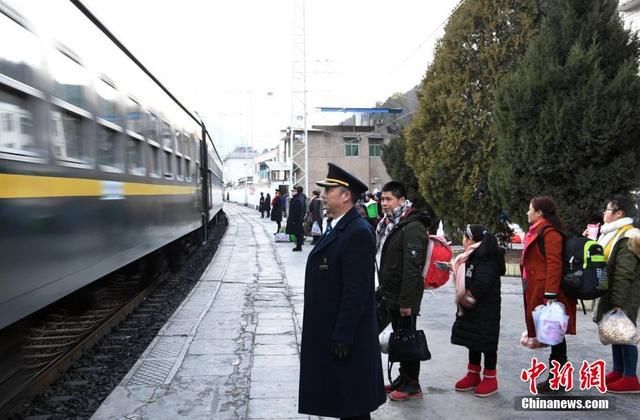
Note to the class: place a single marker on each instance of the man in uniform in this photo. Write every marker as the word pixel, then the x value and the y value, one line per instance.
pixel 340 363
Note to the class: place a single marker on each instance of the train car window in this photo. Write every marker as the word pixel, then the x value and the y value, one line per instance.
pixel 197 174
pixel 166 136
pixel 67 132
pixel 168 164
pixel 135 117
pixel 154 162
pixel 20 53
pixel 109 149
pixel 179 173
pixel 135 156
pixel 17 134
pixel 151 128
pixel 70 80
pixel 108 103
pixel 187 169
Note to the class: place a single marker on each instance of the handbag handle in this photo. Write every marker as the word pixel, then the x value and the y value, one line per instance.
pixel 409 322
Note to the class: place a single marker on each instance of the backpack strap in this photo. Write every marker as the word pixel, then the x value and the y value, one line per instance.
pixel 541 239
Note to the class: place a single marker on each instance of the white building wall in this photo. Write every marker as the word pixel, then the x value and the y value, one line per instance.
pixel 235 168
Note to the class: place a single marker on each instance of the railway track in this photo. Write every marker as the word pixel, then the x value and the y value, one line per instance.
pixel 38 351
pixel 50 344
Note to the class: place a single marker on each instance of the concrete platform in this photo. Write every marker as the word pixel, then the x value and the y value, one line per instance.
pixel 231 351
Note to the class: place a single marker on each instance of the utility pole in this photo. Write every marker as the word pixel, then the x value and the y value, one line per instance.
pixel 299 98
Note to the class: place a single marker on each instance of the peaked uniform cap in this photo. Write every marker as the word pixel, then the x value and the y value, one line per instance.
pixel 338 177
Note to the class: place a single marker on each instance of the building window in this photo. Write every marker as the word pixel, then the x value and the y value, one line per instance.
pixel 375 146
pixel 351 146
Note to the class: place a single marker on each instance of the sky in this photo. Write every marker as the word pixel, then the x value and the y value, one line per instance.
pixel 232 60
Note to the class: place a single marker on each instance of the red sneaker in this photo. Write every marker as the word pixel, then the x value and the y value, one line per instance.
pixel 393 385
pixel 625 385
pixel 489 384
pixel 407 391
pixel 471 379
pixel 612 376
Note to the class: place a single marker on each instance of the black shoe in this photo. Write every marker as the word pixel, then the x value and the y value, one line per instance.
pixel 298 248
pixel 545 388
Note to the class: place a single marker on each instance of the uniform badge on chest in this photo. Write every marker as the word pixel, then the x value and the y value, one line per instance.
pixel 324 265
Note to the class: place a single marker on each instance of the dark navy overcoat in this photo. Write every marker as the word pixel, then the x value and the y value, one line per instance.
pixel 339 305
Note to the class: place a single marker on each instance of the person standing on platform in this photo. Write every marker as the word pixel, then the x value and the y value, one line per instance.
pixel 315 210
pixel 276 212
pixel 621 244
pixel 296 217
pixel 340 362
pixel 541 268
pixel 401 243
pixel 476 274
pixel 267 205
pixel 283 204
pixel 261 205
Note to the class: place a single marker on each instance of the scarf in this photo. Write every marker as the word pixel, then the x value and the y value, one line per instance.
pixel 389 221
pixel 611 232
pixel 458 274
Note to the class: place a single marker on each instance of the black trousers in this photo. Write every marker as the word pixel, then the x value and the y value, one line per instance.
pixel 559 353
pixel 490 358
pixel 410 369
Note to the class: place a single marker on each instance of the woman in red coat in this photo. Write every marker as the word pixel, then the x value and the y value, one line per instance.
pixel 542 271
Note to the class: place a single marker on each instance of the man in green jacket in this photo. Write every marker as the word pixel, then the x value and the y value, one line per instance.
pixel 401 243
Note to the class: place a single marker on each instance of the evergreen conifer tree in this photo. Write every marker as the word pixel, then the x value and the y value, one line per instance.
pixel 568 118
pixel 451 140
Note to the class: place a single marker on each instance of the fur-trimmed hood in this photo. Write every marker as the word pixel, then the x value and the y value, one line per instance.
pixel 634 240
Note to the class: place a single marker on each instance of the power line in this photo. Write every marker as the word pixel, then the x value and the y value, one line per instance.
pixel 431 34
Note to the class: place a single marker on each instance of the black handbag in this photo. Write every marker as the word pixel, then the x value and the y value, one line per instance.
pixel 407 344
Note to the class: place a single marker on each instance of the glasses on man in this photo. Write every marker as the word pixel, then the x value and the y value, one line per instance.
pixel 611 210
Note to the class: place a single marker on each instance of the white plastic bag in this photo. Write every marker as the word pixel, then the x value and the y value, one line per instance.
pixel 384 340
pixel 281 237
pixel 551 321
pixel 315 229
pixel 615 327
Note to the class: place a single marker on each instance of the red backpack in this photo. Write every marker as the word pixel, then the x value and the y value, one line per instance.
pixel 439 250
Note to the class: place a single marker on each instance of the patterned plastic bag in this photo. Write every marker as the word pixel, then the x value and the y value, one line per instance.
pixel 551 322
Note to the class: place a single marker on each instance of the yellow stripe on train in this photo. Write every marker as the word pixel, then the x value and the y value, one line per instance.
pixel 33 186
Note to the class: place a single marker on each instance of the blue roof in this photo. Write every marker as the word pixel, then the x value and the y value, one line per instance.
pixel 362 110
